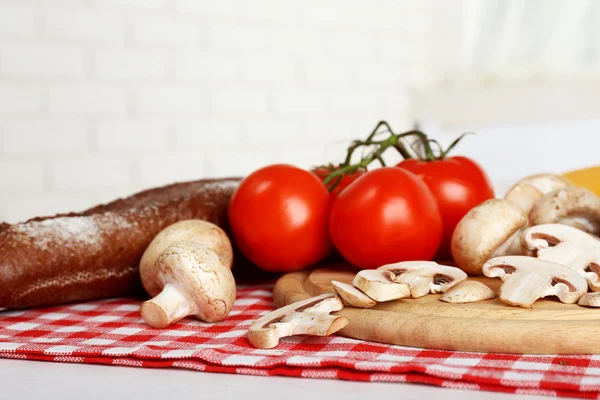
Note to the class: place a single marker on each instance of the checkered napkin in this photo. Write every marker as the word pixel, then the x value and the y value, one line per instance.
pixel 112 332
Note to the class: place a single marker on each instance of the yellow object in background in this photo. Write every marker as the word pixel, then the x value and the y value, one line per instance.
pixel 588 178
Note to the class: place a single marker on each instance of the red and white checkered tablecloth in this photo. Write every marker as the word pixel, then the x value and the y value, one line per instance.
pixel 112 332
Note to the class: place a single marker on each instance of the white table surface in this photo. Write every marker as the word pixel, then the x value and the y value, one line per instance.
pixel 45 380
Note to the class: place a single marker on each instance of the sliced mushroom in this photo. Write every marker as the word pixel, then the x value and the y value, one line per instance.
pixel 573 206
pixel 468 292
pixel 529 190
pixel 306 317
pixel 491 229
pixel 568 246
pixel 527 279
pixel 424 277
pixel 194 281
pixel 352 296
pixel 590 300
pixel 379 285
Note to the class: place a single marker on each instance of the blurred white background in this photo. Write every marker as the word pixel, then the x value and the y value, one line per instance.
pixel 101 98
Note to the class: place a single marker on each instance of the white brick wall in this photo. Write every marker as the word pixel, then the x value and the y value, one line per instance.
pixel 100 98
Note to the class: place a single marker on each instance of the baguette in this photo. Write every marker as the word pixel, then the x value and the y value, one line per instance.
pixel 95 254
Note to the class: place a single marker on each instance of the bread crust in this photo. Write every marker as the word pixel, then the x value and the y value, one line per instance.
pixel 95 254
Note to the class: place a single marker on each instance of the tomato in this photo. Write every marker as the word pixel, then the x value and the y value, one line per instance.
pixel 278 216
pixel 458 184
pixel 323 172
pixel 385 216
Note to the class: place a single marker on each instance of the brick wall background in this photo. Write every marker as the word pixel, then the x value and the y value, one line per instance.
pixel 101 98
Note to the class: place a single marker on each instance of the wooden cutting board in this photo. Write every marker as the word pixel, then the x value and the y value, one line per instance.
pixel 488 326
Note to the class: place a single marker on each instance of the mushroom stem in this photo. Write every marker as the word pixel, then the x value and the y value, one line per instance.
pixel 419 285
pixel 567 254
pixel 168 307
pixel 510 247
pixel 524 288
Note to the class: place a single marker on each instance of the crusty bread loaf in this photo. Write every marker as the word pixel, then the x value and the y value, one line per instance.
pixel 95 253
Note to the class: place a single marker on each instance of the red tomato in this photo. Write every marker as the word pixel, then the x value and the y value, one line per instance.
pixel 323 172
pixel 458 184
pixel 385 216
pixel 279 217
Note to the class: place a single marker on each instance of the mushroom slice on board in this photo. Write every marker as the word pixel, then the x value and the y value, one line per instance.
pixel 526 192
pixel 468 292
pixel 424 277
pixel 489 230
pixel 379 285
pixel 194 281
pixel 527 279
pixel 306 317
pixel 352 296
pixel 574 206
pixel 567 246
pixel 590 300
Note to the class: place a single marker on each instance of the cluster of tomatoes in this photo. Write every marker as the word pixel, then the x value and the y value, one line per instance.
pixel 284 218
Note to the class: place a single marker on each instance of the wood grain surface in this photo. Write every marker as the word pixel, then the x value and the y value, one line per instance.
pixel 488 326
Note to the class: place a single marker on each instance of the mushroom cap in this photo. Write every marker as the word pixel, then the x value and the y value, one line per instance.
pixel 545 182
pixel 526 192
pixel 440 277
pixel 201 276
pixel 468 292
pixel 524 195
pixel 482 230
pixel 590 300
pixel 574 206
pixel 193 230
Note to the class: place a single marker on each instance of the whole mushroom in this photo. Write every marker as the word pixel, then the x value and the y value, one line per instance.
pixel 573 206
pixel 491 229
pixel 195 282
pixel 186 276
pixel 192 230
pixel 526 192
